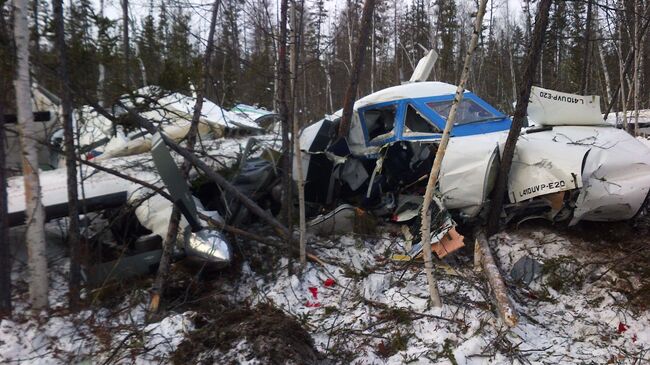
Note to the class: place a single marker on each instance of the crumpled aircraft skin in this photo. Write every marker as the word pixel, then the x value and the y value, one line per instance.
pixel 587 171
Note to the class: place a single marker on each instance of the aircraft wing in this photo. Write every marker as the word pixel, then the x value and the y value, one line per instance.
pixel 100 191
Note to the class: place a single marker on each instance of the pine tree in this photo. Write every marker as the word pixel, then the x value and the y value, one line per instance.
pixel 149 47
pixel 180 64
pixel 447 28
pixel 414 35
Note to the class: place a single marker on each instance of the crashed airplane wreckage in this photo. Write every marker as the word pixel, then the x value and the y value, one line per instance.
pixel 570 166
pixel 137 231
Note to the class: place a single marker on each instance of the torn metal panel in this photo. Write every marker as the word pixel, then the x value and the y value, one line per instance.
pixel 550 107
pixel 616 176
pixel 344 219
pixel 409 207
pixel 542 165
pixel 354 174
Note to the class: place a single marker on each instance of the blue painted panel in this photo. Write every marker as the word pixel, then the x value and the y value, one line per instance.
pixel 489 126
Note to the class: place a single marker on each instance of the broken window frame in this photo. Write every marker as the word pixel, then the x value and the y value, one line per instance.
pixel 500 123
pixel 397 126
pixel 407 134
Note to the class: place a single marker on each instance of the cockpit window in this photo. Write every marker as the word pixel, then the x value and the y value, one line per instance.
pixel 380 122
pixel 468 111
pixel 417 123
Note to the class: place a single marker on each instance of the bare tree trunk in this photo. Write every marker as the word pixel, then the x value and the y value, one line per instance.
pixel 101 77
pixel 532 60
pixel 158 286
pixel 637 61
pixel 372 59
pixel 630 55
pixel 584 79
pixel 529 26
pixel 440 154
pixel 603 62
pixel 351 92
pixel 513 76
pixel 70 160
pixel 350 38
pixel 541 69
pixel 5 253
pixel 396 43
pixel 285 117
pixel 621 72
pixel 510 50
pixel 296 134
pixel 37 32
pixel 35 214
pixel 125 42
pixel 328 85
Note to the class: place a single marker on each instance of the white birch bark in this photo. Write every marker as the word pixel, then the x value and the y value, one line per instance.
pixel 603 62
pixel 637 61
pixel 35 214
pixel 621 70
pixel 296 134
pixel 101 78
pixel 437 162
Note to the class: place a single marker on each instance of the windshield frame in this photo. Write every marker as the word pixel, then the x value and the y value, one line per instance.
pixel 500 122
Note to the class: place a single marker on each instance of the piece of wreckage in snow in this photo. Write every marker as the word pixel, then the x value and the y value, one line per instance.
pixel 571 166
pixel 137 218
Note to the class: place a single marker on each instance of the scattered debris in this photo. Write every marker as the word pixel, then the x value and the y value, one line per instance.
pixel 525 270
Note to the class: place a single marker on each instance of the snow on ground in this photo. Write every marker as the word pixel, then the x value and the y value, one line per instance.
pixel 90 336
pixel 94 335
pixel 377 310
pixel 361 308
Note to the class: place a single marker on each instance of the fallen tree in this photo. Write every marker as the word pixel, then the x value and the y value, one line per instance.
pixel 484 261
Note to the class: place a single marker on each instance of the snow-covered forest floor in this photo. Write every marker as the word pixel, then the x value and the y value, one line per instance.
pixel 589 305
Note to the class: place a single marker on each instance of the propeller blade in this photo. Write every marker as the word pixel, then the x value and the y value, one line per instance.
pixel 174 181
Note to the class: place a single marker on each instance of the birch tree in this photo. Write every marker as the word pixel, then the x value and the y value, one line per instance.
pixel 296 131
pixel 5 253
pixel 125 42
pixel 532 61
pixel 440 154
pixel 283 108
pixel 34 212
pixel 637 62
pixel 584 76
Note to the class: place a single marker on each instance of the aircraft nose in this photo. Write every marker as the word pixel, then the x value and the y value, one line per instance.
pixel 208 245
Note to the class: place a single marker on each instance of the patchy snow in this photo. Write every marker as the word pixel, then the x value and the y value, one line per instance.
pixel 361 308
pixel 116 335
pixel 377 311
